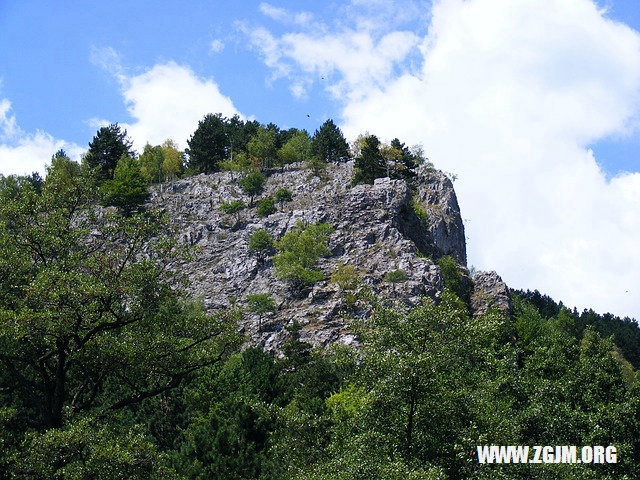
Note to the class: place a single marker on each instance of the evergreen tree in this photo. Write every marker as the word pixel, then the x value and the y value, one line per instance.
pixel 105 150
pixel 209 144
pixel 370 164
pixel 329 144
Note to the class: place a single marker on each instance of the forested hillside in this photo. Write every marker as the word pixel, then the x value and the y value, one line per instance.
pixel 270 304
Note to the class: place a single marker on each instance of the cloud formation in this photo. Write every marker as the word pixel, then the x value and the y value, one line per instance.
pixel 508 96
pixel 22 153
pixel 167 101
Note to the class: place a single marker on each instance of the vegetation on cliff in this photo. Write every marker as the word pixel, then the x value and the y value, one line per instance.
pixel 108 369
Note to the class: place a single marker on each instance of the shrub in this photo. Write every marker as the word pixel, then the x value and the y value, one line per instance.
pixel 266 207
pixel 260 303
pixel 128 188
pixel 283 195
pixel 252 184
pixel 396 276
pixel 299 253
pixel 345 277
pixel 260 242
pixel 233 208
pixel 453 279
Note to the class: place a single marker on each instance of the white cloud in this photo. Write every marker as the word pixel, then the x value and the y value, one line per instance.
pixel 168 101
pixel 283 15
pixel 21 152
pixel 356 57
pixel 216 46
pixel 509 96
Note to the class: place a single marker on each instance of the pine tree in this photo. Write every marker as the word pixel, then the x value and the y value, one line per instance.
pixel 329 144
pixel 105 150
pixel 370 164
pixel 208 145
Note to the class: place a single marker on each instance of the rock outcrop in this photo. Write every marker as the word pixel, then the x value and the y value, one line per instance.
pixel 378 228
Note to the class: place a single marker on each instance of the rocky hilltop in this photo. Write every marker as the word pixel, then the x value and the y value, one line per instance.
pixel 379 228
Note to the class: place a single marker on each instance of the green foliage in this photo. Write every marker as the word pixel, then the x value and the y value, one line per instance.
pixel 300 250
pixel 173 161
pixel 87 448
pixel 128 188
pixel 296 149
pixel 283 195
pixel 316 165
pixel 396 276
pixel 208 145
pixel 260 303
pixel 234 208
pixel 266 206
pixel 261 242
pixel 328 143
pixel 262 148
pixel 252 184
pixel 419 210
pixel 453 279
pixel 88 315
pixel 345 277
pixel 370 163
pixel 151 162
pixel 106 149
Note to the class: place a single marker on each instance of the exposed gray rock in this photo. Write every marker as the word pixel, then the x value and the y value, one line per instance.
pixel 489 291
pixel 376 231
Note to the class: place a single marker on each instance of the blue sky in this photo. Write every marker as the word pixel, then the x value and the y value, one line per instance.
pixel 533 104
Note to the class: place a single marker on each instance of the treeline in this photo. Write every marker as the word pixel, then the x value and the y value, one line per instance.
pixel 109 370
pixel 120 177
pixel 624 331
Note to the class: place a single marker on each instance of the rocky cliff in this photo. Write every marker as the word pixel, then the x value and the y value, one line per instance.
pixel 379 228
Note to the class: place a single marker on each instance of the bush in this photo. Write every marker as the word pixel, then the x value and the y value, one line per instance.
pixel 128 188
pixel 283 195
pixel 345 277
pixel 453 279
pixel 299 253
pixel 252 184
pixel 266 207
pixel 233 208
pixel 396 276
pixel 260 242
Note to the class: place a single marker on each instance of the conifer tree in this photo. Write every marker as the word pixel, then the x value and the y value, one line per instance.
pixel 329 144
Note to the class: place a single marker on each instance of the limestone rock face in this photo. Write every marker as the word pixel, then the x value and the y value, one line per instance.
pixel 376 227
pixel 489 291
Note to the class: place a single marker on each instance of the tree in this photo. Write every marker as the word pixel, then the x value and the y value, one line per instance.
pixel 370 164
pixel 252 185
pixel 208 145
pixel 300 250
pixel 260 303
pixel 266 206
pixel 329 144
pixel 128 188
pixel 108 146
pixel 296 149
pixel 262 148
pixel 283 195
pixel 151 162
pixel 233 208
pixel 90 320
pixel 261 242
pixel 173 161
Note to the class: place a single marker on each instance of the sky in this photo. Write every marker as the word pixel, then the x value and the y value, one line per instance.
pixel 533 105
